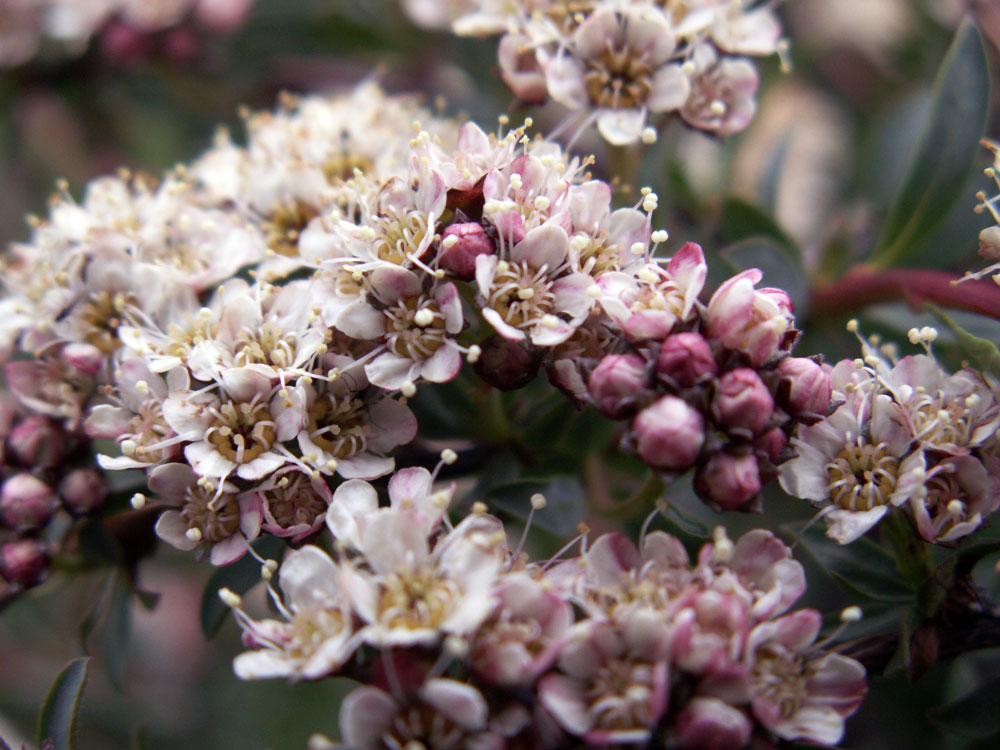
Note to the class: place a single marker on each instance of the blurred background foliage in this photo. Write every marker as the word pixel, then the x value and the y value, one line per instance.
pixel 806 194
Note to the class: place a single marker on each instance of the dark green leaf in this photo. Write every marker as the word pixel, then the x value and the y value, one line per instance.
pixel 741 220
pixel 982 352
pixel 57 719
pixel 974 715
pixel 945 153
pixel 565 502
pixel 862 567
pixel 241 576
pixel 117 628
pixel 781 267
pixel 98 542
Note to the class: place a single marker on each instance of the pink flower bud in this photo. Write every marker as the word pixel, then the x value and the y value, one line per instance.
pixel 685 359
pixel 222 16
pixel 711 724
pixel 38 441
pixel 507 365
pixel 669 434
pixel 748 320
pixel 26 503
pixel 122 45
pixel 83 491
pixel 742 401
pixel 24 562
pixel 728 481
pixel 84 357
pixel 772 444
pixel 617 383
pixel 459 255
pixel 806 387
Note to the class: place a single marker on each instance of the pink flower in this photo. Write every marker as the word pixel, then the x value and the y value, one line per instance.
pixel 751 321
pixel 613 679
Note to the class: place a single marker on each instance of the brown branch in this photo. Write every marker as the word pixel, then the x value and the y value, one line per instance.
pixel 864 285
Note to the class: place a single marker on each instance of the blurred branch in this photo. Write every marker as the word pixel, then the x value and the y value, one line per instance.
pixel 864 285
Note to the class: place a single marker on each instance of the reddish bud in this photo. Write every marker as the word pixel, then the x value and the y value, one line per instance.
pixel 83 491
pixel 669 434
pixel 617 383
pixel 772 444
pixel 742 401
pixel 459 255
pixel 26 503
pixel 685 359
pixel 507 365
pixel 728 481
pixel 84 357
pixel 808 387
pixel 24 562
pixel 711 724
pixel 38 441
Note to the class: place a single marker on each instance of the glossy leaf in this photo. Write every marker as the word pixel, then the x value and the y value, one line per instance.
pixel 241 576
pixel 117 629
pixel 565 502
pixel 862 567
pixel 945 152
pixel 974 715
pixel 57 719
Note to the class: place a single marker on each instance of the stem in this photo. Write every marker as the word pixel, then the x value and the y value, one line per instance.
pixel 865 285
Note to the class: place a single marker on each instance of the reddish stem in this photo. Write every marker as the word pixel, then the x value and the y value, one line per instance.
pixel 864 285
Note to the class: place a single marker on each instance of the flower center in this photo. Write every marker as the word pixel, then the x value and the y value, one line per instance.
pixel 241 431
pixel 283 226
pixel 337 426
pixel 619 78
pixel 618 697
pixel 416 600
pixel 520 294
pixel 400 235
pixel 267 345
pixel 780 677
pixel 217 518
pixel 296 503
pixel 862 476
pixel 101 314
pixel 416 328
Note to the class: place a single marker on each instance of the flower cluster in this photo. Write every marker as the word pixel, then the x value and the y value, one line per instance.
pixel 463 643
pixel 47 473
pixel 711 387
pixel 907 437
pixel 617 62
pixel 249 328
pixel 126 29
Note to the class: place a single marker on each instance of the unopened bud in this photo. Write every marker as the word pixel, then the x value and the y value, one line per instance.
pixel 83 491
pixel 669 433
pixel 684 360
pixel 728 481
pixel 24 562
pixel 707 722
pixel 86 358
pixel 989 243
pixel 617 384
pixel 742 401
pixel 459 256
pixel 26 503
pixel 38 441
pixel 772 444
pixel 806 388
pixel 507 365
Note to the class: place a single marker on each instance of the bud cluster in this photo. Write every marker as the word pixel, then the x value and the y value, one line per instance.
pixel 46 471
pixel 477 647
pixel 707 387
pixel 907 437
pixel 125 30
pixel 615 63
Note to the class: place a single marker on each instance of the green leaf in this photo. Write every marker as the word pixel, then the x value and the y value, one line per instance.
pixel 781 266
pixel 565 502
pixel 117 628
pixel 982 352
pixel 974 715
pixel 57 719
pixel 945 153
pixel 862 567
pixel 241 576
